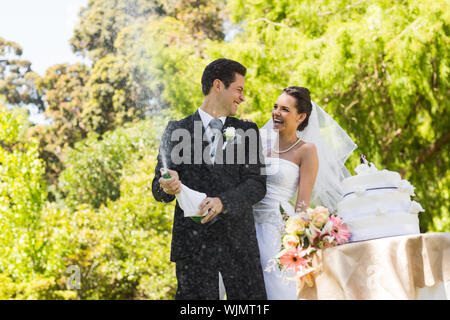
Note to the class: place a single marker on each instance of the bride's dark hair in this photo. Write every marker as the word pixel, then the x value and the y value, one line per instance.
pixel 303 102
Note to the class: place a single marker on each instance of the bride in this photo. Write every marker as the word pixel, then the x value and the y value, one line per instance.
pixel 305 153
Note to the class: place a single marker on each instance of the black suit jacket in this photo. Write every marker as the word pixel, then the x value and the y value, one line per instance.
pixel 238 185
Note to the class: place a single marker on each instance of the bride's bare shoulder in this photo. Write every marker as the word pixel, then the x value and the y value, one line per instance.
pixel 307 147
pixel 307 150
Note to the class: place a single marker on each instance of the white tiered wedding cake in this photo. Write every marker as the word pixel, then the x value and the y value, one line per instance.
pixel 377 204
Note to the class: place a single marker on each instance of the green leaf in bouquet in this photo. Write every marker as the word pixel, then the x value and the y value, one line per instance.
pixel 284 215
pixel 305 242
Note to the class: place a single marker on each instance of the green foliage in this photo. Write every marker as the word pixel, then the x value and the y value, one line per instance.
pixel 113 95
pixel 16 77
pixel 95 166
pixel 175 67
pixel 201 19
pixel 120 248
pixel 22 198
pixel 65 93
pixel 101 21
pixel 128 247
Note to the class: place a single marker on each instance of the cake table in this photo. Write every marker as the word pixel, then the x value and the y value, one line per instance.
pixel 403 267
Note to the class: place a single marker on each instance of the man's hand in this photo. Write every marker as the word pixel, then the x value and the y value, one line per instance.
pixel 170 186
pixel 209 208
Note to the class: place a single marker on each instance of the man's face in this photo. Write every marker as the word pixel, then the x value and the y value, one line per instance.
pixel 232 96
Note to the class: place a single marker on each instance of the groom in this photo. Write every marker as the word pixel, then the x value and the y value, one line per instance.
pixel 225 241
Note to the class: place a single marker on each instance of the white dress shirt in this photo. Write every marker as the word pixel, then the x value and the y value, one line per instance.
pixel 206 118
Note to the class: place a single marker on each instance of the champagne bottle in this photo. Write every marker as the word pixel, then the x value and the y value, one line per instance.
pixel 166 175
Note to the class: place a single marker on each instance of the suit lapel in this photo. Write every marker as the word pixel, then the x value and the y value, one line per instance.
pixel 227 123
pixel 228 144
pixel 199 140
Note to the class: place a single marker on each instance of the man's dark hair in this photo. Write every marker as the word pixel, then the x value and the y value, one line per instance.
pixel 223 69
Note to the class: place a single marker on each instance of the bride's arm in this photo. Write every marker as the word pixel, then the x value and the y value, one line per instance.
pixel 309 165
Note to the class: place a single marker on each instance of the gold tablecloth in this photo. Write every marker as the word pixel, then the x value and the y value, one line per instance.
pixel 387 268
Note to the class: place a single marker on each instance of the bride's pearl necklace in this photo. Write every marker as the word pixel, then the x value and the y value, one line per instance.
pixel 288 149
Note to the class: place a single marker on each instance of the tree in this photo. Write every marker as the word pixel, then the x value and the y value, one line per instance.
pixel 120 235
pixel 64 92
pixel 116 91
pixel 120 250
pixel 113 95
pixel 22 198
pixel 101 22
pixel 16 77
pixel 201 19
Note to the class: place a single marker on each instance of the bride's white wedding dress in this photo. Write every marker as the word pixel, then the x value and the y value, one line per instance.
pixel 282 181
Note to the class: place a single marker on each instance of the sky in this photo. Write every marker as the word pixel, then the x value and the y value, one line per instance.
pixel 43 29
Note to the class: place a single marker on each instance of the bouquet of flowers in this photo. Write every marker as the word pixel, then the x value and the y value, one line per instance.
pixel 305 233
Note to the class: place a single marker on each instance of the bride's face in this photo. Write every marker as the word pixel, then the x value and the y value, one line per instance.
pixel 285 115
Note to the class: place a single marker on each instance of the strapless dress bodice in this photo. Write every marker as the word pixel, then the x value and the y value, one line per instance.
pixel 282 181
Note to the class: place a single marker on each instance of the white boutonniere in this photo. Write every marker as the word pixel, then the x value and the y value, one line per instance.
pixel 229 134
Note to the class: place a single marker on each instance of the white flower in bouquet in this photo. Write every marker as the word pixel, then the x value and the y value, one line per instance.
pixel 327 228
pixel 312 233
